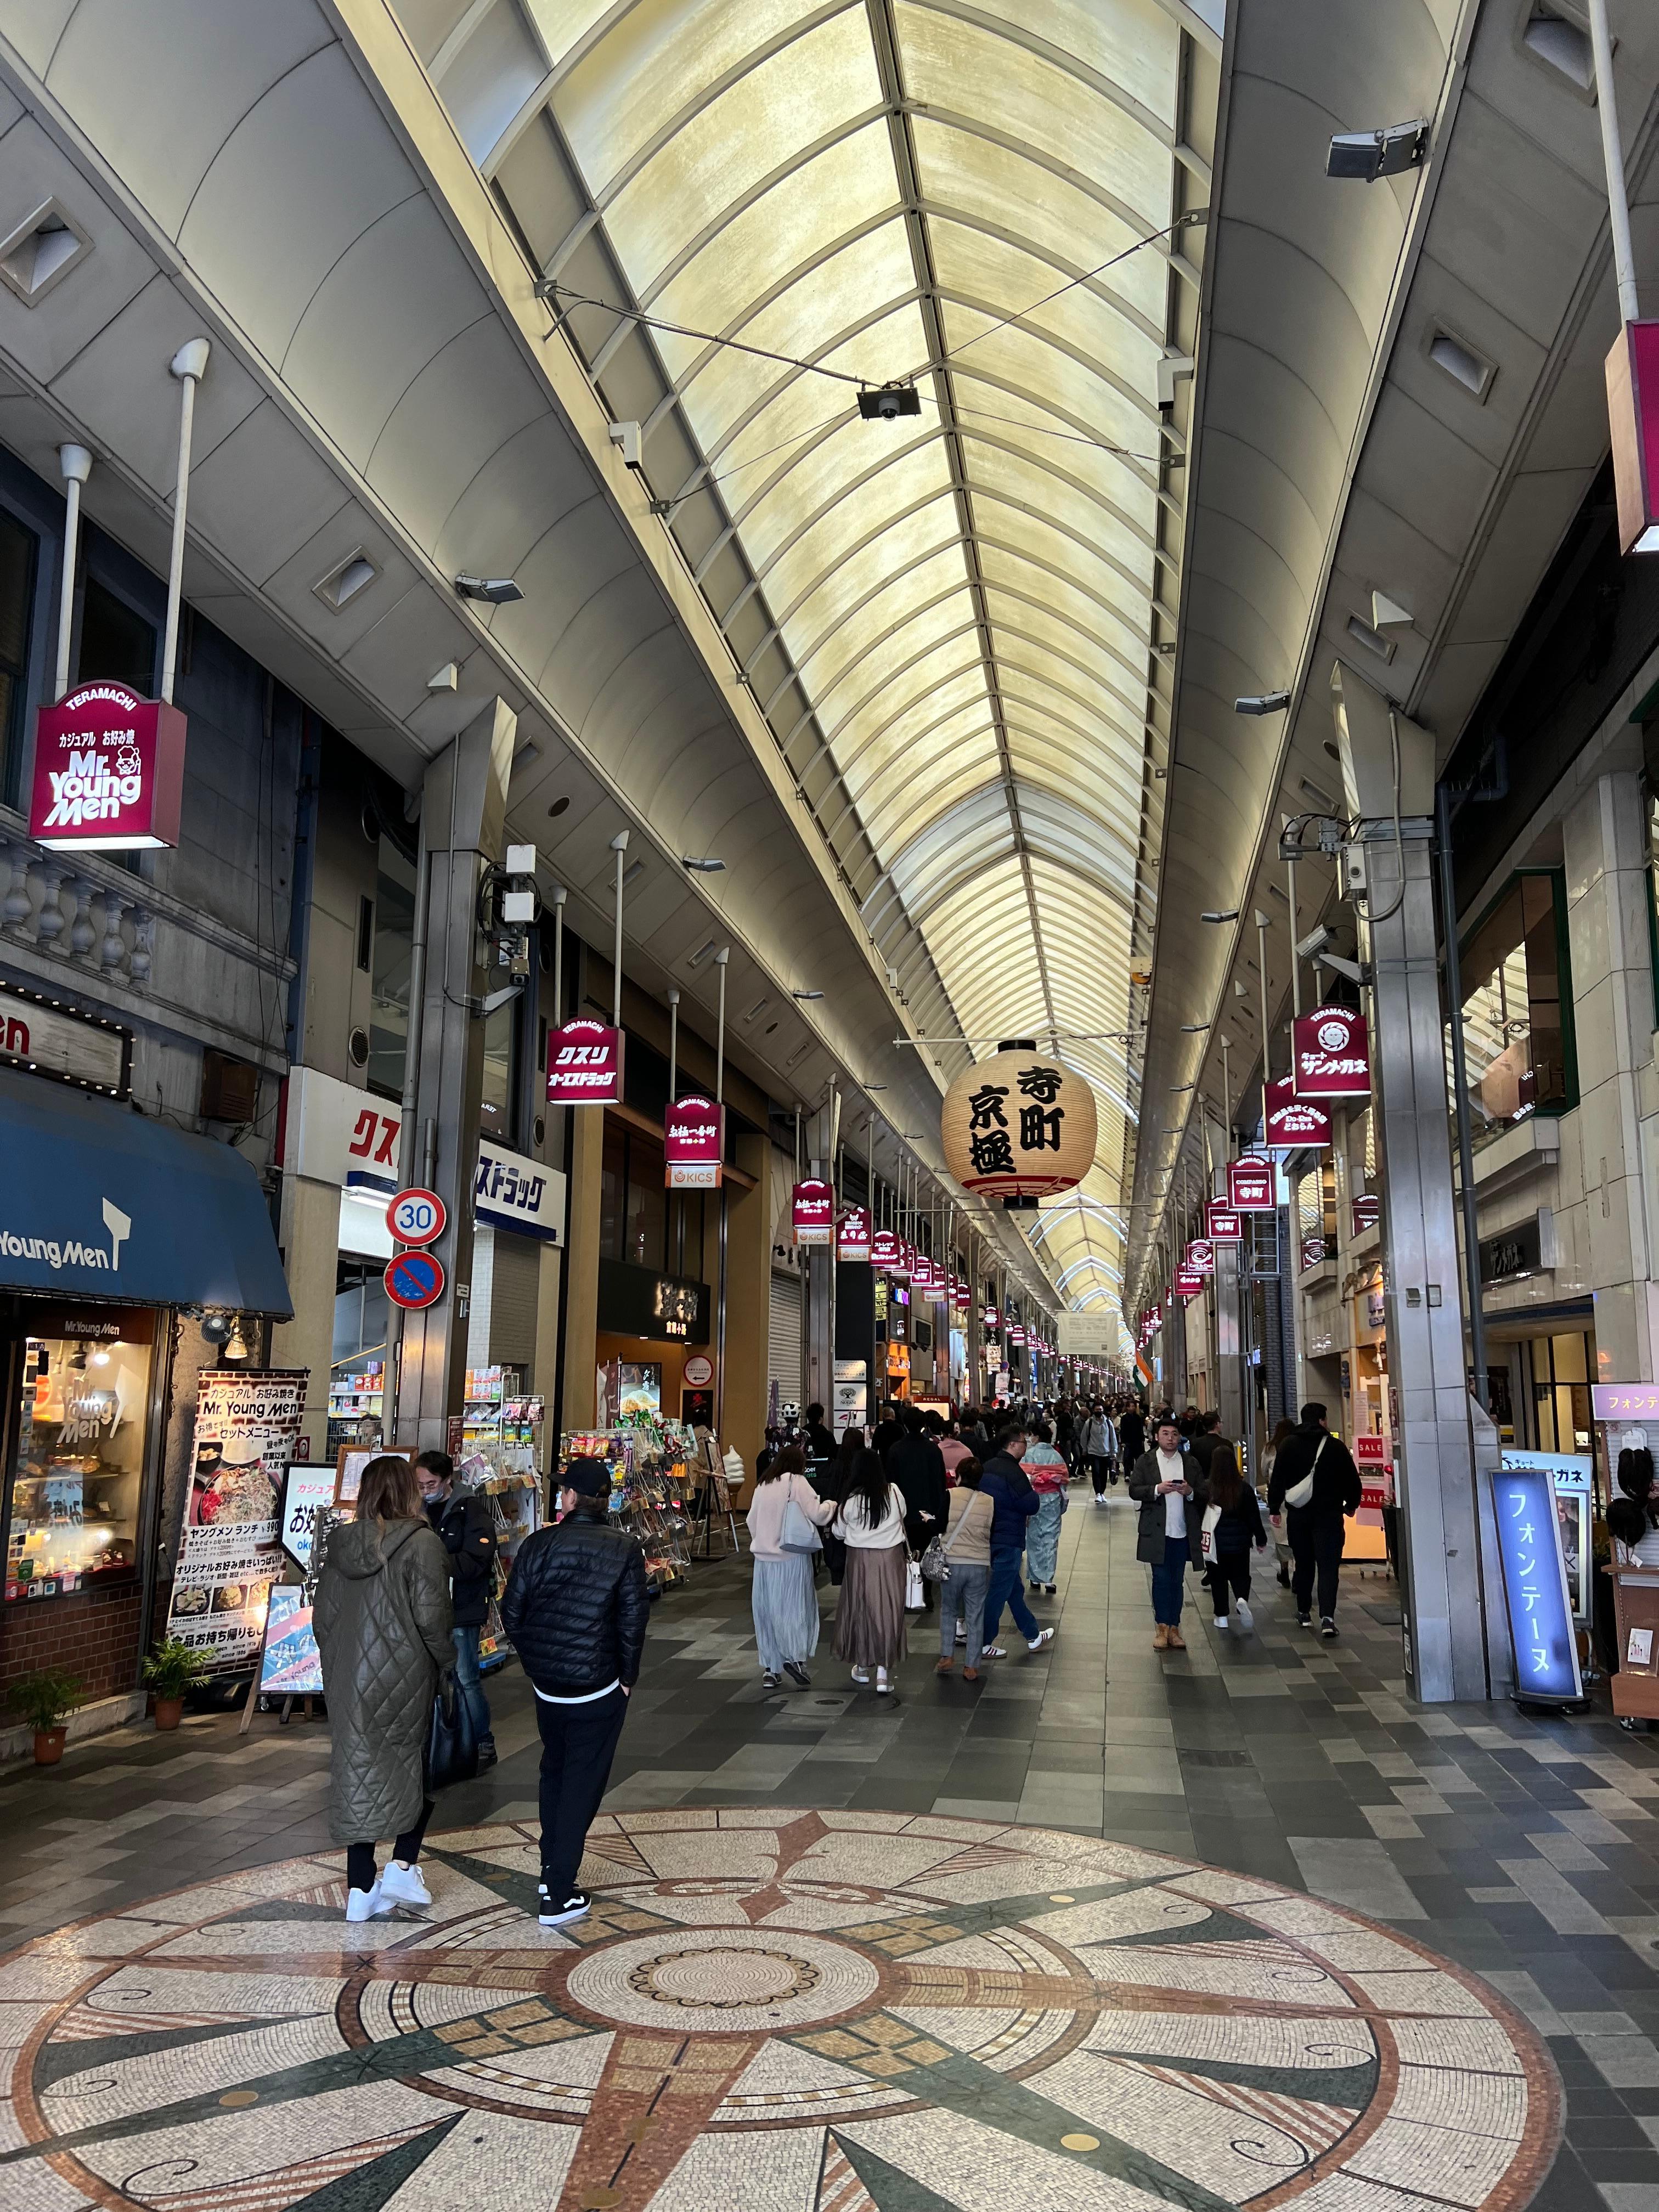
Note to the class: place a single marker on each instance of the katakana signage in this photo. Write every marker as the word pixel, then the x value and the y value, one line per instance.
pixel 585 1065
pixel 1330 1053
pixel 109 772
pixel 1289 1123
pixel 1535 1587
pixel 1019 1126
pixel 886 1250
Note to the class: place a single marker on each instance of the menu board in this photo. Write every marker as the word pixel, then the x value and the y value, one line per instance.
pixel 308 1496
pixel 221 1587
pixel 247 1430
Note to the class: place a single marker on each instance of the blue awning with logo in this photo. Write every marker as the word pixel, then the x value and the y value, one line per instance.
pixel 98 1201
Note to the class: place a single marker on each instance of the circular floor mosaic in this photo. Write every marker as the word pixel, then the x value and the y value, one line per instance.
pixel 798 2011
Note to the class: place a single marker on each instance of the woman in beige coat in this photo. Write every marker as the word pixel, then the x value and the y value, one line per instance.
pixel 382 1619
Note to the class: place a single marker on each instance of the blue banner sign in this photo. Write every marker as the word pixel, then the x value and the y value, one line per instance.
pixel 1535 1587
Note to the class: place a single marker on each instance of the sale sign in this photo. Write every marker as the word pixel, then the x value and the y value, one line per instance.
pixel 854 1234
pixel 1330 1053
pixel 694 1143
pixel 1222 1225
pixel 813 1212
pixel 1251 1184
pixel 109 772
pixel 1289 1123
pixel 585 1065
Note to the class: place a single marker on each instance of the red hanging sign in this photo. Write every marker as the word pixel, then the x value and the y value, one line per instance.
pixel 886 1250
pixel 1187 1282
pixel 854 1234
pixel 1367 1212
pixel 1251 1184
pixel 585 1065
pixel 1330 1053
pixel 1313 1253
pixel 1199 1257
pixel 814 1211
pixel 1290 1123
pixel 1221 1223
pixel 109 772
pixel 694 1143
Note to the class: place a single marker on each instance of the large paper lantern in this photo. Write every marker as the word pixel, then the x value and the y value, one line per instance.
pixel 1020 1126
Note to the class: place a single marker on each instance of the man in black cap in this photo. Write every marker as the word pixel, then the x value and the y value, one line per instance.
pixel 575 1608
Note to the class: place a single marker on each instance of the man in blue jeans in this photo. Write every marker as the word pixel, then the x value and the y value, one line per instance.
pixel 462 1522
pixel 1172 1495
pixel 1013 1502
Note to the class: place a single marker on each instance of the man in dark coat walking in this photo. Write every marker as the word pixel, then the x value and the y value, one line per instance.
pixel 1315 1528
pixel 467 1532
pixel 575 1607
pixel 916 1465
pixel 1013 1502
pixel 1172 1495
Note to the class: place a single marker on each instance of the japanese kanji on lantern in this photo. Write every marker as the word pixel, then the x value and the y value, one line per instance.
pixel 1020 1126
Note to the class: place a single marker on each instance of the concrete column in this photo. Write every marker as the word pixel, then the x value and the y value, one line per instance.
pixel 1604 846
pixel 1442 1597
pixel 544 1368
pixel 581 1307
pixel 463 807
pixel 310 1259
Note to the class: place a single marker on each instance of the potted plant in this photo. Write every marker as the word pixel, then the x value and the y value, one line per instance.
pixel 43 1701
pixel 170 1669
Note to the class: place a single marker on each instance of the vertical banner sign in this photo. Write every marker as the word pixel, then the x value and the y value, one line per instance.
pixel 247 1427
pixel 814 1211
pixel 1330 1054
pixel 1251 1184
pixel 854 1234
pixel 1200 1256
pixel 1222 1225
pixel 694 1143
pixel 585 1065
pixel 1289 1123
pixel 886 1249
pixel 109 772
pixel 1535 1587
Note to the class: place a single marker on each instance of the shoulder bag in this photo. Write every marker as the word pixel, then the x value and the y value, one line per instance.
pixel 1301 1494
pixel 798 1531
pixel 452 1749
pixel 1206 1539
pixel 936 1559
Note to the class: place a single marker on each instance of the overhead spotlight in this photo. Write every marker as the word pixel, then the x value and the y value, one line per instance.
pixel 1369 154
pixel 885 403
pixel 806 995
pixel 705 865
pixel 236 1343
pixel 1262 702
pixel 494 591
pixel 1231 914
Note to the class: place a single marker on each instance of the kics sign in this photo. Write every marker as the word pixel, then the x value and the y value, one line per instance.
pixel 109 772
pixel 694 1143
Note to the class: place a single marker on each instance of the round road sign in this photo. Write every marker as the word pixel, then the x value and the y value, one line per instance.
pixel 414 1279
pixel 417 1217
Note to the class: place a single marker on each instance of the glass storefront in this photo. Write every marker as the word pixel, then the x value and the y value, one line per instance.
pixel 1516 1028
pixel 74 1483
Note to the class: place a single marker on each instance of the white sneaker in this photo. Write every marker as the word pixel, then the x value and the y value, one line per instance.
pixel 1044 1636
pixel 367 1904
pixel 1221 1620
pixel 1244 1617
pixel 405 1884
pixel 860 1673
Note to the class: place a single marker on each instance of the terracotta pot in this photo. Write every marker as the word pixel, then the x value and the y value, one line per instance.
pixel 168 1712
pixel 49 1746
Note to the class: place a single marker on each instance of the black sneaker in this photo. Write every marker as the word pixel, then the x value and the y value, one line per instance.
pixel 1327 1626
pixel 487 1754
pixel 1304 1620
pixel 576 1907
pixel 797 1672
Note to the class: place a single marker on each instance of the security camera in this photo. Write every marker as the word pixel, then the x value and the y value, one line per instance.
pixel 885 403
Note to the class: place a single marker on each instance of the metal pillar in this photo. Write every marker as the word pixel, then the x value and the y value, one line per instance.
pixel 1387 767
pixel 463 813
pixel 820 1379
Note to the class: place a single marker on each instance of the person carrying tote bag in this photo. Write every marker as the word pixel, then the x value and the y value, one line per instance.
pixel 785 1515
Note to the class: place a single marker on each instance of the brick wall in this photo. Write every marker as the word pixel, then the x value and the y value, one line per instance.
pixel 95 1633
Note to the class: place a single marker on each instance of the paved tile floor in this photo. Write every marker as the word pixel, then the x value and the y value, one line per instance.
pixel 1524 1851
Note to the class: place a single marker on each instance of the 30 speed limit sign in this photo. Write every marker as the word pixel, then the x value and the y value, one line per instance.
pixel 417 1217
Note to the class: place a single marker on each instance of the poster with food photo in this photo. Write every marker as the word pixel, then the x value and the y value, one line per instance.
pixel 247 1430
pixel 221 1589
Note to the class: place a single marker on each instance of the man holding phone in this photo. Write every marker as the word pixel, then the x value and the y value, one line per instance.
pixel 1172 1495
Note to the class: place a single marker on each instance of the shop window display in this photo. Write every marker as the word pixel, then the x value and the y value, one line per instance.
pixel 77 1469
pixel 1517 1031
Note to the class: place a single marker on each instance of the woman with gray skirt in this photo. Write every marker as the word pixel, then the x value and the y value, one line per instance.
pixel 870 1619
pixel 785 1594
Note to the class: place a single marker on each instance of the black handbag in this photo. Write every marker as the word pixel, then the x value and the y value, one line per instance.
pixel 451 1747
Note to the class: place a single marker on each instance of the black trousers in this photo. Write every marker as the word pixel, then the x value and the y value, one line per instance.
pixel 360 1857
pixel 1100 1470
pixel 1315 1548
pixel 1229 1571
pixel 577 1745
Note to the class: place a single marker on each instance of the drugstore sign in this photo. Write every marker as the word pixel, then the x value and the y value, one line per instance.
pixel 585 1065
pixel 512 1192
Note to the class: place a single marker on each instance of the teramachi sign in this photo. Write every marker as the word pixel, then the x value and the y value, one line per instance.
pixel 109 772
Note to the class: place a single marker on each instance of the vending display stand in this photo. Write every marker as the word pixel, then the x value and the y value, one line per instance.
pixel 648 1460
pixel 1636 1611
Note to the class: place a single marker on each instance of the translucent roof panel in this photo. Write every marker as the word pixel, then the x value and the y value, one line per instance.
pixel 952 619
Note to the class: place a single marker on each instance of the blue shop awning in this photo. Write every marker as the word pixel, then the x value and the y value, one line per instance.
pixel 98 1201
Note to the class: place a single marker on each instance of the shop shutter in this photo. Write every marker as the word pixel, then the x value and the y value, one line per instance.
pixel 783 1343
pixel 512 1300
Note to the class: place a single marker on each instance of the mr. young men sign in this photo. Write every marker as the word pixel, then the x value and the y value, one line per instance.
pixel 109 772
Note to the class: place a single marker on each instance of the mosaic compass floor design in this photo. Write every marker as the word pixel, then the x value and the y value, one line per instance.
pixel 769 2011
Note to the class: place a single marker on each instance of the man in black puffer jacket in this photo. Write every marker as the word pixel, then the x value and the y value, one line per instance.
pixel 575 1608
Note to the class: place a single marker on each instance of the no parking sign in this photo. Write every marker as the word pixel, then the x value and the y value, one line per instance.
pixel 414 1279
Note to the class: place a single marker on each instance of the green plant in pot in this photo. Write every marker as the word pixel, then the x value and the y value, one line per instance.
pixel 43 1702
pixel 170 1669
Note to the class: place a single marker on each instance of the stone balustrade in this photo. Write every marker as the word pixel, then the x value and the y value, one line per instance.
pixel 83 910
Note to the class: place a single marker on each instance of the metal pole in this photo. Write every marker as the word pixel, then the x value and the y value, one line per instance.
pixel 413 1027
pixel 1296 965
pixel 619 846
pixel 75 462
pixel 720 960
pixel 187 365
pixel 1612 158
pixel 1460 1090
pixel 1263 924
pixel 559 896
pixel 673 1044
pixel 1226 1096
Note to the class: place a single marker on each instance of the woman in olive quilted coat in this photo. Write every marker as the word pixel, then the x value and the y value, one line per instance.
pixel 382 1619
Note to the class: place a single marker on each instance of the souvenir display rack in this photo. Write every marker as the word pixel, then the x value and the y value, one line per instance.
pixel 500 1459
pixel 648 1458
